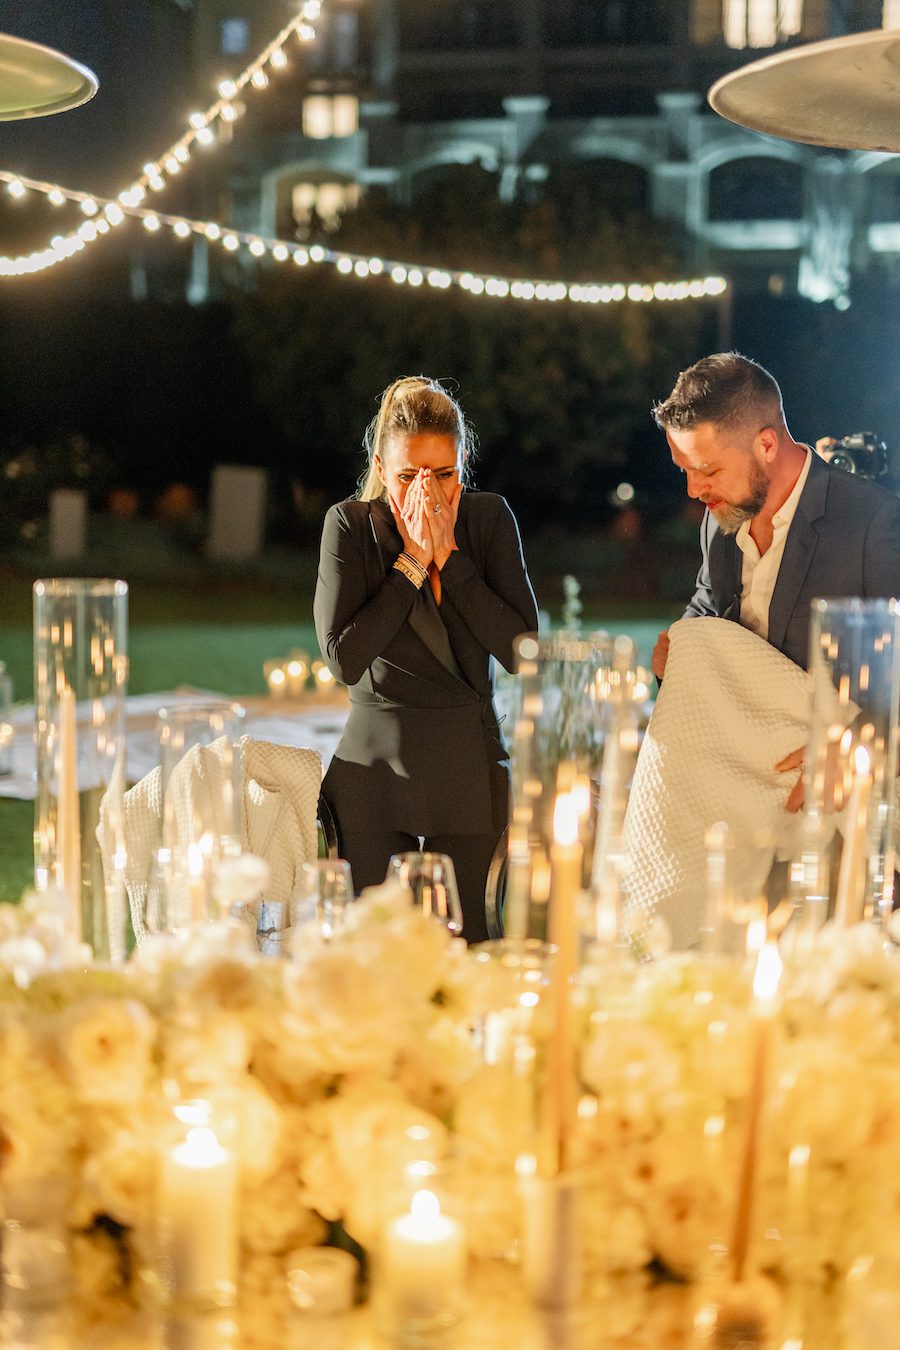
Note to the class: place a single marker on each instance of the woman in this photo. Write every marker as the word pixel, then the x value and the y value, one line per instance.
pixel 420 585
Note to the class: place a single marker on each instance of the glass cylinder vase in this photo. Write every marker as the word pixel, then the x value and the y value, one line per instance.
pixel 556 746
pixel 849 847
pixel 80 679
pixel 196 807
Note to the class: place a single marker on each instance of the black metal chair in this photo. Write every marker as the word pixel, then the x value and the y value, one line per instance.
pixel 495 887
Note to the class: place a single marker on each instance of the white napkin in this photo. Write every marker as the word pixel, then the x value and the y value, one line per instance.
pixel 730 708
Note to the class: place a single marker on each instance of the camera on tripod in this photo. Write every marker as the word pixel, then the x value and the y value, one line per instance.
pixel 861 452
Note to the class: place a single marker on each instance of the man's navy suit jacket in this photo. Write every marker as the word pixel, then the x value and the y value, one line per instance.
pixel 844 541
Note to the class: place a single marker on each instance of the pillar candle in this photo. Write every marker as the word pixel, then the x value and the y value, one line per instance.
pixel 198 1219
pixel 424 1263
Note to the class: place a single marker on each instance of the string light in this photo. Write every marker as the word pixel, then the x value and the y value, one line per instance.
pixel 108 212
pixel 227 108
pixel 170 162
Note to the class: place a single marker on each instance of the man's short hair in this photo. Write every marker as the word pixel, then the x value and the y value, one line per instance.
pixel 727 389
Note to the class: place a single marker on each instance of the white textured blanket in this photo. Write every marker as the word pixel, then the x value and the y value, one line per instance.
pixel 729 709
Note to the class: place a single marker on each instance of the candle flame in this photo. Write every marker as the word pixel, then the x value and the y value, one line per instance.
pixel 861 761
pixel 768 972
pixel 565 818
pixel 195 860
pixel 425 1206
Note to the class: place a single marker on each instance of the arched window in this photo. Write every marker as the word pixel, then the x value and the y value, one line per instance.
pixel 761 23
pixel 756 187
pixel 316 199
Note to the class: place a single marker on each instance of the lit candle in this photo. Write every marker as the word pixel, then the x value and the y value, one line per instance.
pixel 766 1005
pixel 565 886
pixel 424 1264
pixel 68 808
pixel 198 1220
pixel 276 679
pixel 297 670
pixel 851 890
pixel 323 677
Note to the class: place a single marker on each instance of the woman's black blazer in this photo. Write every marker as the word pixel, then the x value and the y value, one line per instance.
pixel 422 747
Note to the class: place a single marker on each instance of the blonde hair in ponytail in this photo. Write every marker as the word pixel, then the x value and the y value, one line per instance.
pixel 408 407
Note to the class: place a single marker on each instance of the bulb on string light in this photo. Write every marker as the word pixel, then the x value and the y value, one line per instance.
pixel 229 113
pixel 171 165
pixel 181 228
pixel 56 197
pixel 182 154
pixel 205 136
pixel 306 33
pixel 301 257
pixel 151 223
pixel 278 59
pixel 231 242
pixel 196 120
pixel 212 231
pixel 317 253
pixel 281 252
pixel 257 248
pixel 114 213
pixel 227 89
pixel 89 206
pixel 259 79
pixel 344 265
pixel 16 189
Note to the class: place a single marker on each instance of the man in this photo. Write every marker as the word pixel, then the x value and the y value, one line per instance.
pixel 781 526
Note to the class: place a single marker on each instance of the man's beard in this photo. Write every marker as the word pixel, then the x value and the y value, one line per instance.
pixel 730 516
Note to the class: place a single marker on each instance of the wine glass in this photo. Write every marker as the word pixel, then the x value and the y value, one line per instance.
pixel 319 907
pixel 431 877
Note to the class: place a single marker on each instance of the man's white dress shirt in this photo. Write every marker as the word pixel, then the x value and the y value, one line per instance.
pixel 759 573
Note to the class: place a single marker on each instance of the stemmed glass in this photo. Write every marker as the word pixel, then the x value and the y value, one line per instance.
pixel 431 877
pixel 319 906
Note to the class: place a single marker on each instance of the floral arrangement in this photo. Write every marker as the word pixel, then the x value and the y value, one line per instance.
pixel 326 1061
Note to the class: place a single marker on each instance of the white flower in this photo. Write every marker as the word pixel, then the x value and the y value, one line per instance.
pixel 238 881
pixel 105 1044
pixel 355 1161
pixel 345 1013
pixel 274 1218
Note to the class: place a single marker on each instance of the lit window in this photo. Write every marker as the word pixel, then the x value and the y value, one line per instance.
pixel 234 36
pixel 891 14
pixel 761 23
pixel 328 201
pixel 325 116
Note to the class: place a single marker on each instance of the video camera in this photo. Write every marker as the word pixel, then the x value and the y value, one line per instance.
pixel 861 452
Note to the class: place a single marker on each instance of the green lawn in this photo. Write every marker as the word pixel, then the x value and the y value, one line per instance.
pixel 216 638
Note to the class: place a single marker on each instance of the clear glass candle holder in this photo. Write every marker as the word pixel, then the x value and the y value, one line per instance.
pixel 557 745
pixel 35 1270
pixel 420 1265
pixel 81 675
pixel 200 805
pixel 851 765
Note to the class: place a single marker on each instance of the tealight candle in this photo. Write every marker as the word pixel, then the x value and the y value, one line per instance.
pixel 324 680
pixel 424 1265
pixel 198 1220
pixel 297 669
pixel 276 679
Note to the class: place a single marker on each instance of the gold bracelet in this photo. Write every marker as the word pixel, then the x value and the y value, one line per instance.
pixel 414 562
pixel 402 566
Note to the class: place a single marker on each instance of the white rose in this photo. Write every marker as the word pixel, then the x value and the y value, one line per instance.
pixel 105 1044
pixel 274 1218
